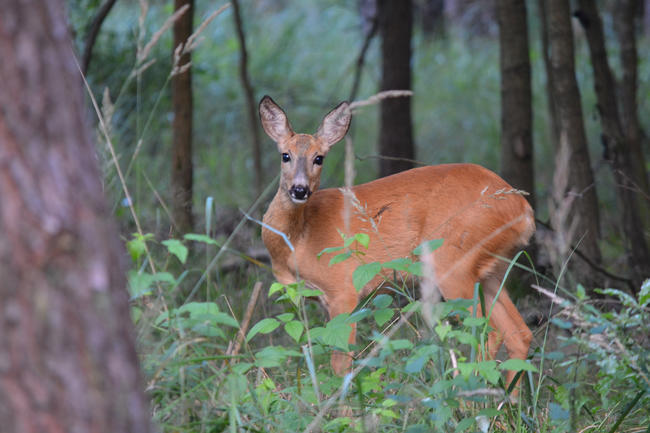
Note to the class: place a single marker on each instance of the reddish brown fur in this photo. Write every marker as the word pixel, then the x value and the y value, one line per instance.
pixel 479 216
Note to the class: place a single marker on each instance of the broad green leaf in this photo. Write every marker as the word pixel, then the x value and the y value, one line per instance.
pixel 264 326
pixel 561 323
pixel 363 274
pixel 137 245
pixel 442 330
pixel 285 317
pixel 275 287
pixel 139 283
pixel 382 316
pixel 464 424
pixel 428 246
pixel 359 315
pixel 340 258
pixel 517 365
pixel 337 332
pixel 363 239
pixel 329 251
pixel 382 301
pixel 488 369
pixel 464 338
pixel 401 264
pixel 200 238
pixel 176 247
pixel 416 269
pixel 557 412
pixel 474 321
pixel 294 329
pixel 273 356
pixel 310 293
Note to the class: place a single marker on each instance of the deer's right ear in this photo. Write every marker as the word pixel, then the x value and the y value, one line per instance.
pixel 274 121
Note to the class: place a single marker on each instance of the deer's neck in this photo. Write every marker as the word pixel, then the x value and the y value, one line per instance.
pixel 286 217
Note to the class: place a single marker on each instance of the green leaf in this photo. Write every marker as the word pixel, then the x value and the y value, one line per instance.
pixel 464 424
pixel 363 274
pixel 310 293
pixel 464 338
pixel 489 412
pixel 285 317
pixel 416 269
pixel 337 332
pixel 275 287
pixel 382 301
pixel 176 247
pixel 264 326
pixel 517 365
pixel 329 251
pixel 137 245
pixel 382 316
pixel 428 246
pixel 294 329
pixel 340 258
pixel 561 323
pixel 363 239
pixel 442 330
pixel 201 238
pixel 488 369
pixel 557 412
pixel 401 264
pixel 273 356
pixel 474 321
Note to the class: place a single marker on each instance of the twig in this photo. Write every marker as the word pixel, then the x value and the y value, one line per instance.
pixel 250 98
pixel 378 97
pixel 246 321
pixel 361 58
pixel 95 26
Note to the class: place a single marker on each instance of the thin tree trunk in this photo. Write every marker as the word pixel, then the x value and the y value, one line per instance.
pixel 182 170
pixel 396 134
pixel 68 359
pixel 617 149
pixel 573 178
pixel 546 54
pixel 516 95
pixel 625 24
pixel 249 94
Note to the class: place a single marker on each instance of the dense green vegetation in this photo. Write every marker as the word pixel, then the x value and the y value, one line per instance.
pixel 418 364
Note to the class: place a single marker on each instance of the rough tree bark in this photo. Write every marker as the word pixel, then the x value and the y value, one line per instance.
pixel 249 94
pixel 67 359
pixel 182 170
pixel 625 17
pixel 396 135
pixel 573 178
pixel 617 149
pixel 516 95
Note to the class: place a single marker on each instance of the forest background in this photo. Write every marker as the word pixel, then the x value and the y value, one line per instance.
pixel 171 94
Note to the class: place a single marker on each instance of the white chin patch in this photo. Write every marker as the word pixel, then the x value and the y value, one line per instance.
pixel 296 201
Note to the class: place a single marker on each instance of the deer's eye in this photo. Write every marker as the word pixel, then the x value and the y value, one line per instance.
pixel 318 160
pixel 286 157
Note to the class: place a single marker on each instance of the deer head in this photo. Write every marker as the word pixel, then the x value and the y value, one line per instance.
pixel 302 154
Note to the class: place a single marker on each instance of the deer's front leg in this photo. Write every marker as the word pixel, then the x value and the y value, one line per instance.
pixel 344 303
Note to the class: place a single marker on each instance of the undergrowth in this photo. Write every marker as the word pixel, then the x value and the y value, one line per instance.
pixel 418 369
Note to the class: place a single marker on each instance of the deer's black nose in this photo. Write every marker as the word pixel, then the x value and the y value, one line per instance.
pixel 299 192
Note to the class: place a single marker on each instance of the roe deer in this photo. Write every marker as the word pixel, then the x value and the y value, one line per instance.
pixel 481 218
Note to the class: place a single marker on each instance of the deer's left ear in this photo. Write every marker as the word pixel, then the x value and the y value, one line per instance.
pixel 335 125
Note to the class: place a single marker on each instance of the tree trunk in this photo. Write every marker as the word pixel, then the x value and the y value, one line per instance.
pixel 625 24
pixel 396 136
pixel 516 109
pixel 181 180
pixel 546 54
pixel 67 357
pixel 573 179
pixel 617 150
